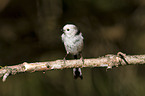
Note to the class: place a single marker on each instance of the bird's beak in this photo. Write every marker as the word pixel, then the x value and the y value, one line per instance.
pixel 62 30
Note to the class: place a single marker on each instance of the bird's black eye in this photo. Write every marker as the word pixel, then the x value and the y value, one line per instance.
pixel 67 29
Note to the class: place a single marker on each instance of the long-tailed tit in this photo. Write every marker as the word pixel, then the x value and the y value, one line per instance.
pixel 73 42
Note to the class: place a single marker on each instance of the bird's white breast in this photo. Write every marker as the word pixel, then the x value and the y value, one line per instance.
pixel 74 44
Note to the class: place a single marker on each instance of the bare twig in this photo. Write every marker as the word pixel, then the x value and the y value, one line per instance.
pixel 107 61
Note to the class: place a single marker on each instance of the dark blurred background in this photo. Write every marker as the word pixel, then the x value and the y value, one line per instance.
pixel 30 32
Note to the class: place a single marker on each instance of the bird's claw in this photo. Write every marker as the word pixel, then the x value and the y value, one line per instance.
pixel 82 59
pixel 64 60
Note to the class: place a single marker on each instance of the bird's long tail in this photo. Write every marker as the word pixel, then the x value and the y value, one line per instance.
pixel 77 71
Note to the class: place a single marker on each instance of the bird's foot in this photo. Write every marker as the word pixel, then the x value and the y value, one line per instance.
pixel 82 59
pixel 64 60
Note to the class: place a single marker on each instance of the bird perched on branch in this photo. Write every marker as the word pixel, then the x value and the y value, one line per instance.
pixel 73 42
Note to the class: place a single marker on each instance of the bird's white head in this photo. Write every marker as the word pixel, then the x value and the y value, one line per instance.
pixel 70 30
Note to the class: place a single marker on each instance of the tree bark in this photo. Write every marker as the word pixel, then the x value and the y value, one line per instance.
pixel 107 61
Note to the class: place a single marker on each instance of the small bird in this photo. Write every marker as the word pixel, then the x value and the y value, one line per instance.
pixel 73 42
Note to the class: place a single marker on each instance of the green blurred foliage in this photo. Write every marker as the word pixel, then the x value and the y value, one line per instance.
pixel 30 31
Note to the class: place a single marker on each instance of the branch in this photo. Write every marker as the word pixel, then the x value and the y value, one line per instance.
pixel 107 61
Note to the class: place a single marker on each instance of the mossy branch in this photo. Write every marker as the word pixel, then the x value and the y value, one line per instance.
pixel 107 61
